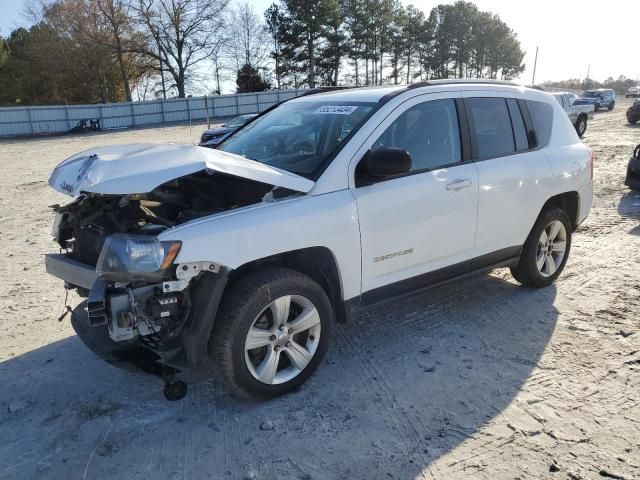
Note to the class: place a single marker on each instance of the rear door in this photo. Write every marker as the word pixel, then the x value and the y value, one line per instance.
pixel 514 176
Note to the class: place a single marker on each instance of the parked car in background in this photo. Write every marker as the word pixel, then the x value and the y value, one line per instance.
pixel 601 97
pixel 633 113
pixel 214 136
pixel 633 171
pixel 633 92
pixel 578 114
pixel 572 96
pixel 329 203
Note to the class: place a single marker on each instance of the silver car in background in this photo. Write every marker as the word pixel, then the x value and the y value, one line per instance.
pixel 578 114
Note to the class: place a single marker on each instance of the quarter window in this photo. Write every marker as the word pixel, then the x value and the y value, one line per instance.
pixel 430 133
pixel 492 125
pixel 542 117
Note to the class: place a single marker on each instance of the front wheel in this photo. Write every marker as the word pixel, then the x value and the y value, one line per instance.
pixel 611 105
pixel 546 250
pixel 272 332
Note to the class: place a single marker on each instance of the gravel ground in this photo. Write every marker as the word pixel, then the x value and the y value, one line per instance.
pixel 480 379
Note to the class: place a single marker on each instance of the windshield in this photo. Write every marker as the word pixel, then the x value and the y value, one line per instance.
pixel 239 121
pixel 591 94
pixel 298 136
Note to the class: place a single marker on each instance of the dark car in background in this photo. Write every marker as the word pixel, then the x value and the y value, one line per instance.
pixel 601 97
pixel 214 136
pixel 633 113
pixel 633 171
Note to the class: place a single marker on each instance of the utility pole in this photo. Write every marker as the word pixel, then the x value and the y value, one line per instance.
pixel 535 64
pixel 586 80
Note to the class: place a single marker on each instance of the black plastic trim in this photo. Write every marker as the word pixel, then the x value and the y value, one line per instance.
pixel 206 296
pixel 501 258
pixel 462 81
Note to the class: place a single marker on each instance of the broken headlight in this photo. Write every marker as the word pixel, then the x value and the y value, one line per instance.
pixel 135 257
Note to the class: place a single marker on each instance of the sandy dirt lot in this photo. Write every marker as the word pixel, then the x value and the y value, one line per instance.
pixel 479 379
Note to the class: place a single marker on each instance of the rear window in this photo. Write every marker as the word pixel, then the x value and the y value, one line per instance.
pixel 492 126
pixel 542 118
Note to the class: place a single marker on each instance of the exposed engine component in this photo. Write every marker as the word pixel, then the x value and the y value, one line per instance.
pixel 82 226
pixel 145 312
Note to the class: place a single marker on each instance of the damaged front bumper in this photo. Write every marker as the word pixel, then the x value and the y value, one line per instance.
pixel 166 325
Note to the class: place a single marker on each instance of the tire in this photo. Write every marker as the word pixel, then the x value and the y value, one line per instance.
pixel 252 304
pixel 632 120
pixel 528 272
pixel 610 107
pixel 596 107
pixel 581 125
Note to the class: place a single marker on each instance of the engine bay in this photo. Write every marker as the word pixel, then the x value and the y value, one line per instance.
pixel 85 223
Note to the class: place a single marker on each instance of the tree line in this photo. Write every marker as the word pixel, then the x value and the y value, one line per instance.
pixel 87 51
pixel 620 85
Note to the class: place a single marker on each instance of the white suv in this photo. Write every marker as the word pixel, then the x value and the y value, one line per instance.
pixel 321 205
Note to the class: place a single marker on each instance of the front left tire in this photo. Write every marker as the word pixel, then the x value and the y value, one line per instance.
pixel 271 333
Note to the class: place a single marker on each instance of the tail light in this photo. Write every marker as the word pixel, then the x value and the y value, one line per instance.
pixel 591 163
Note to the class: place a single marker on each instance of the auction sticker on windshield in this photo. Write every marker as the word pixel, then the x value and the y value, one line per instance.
pixel 337 109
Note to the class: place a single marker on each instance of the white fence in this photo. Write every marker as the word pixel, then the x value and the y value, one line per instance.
pixel 18 121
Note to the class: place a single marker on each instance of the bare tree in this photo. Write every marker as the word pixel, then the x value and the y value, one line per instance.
pixel 182 33
pixel 248 39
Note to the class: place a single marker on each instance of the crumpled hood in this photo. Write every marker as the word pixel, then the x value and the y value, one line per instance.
pixel 139 168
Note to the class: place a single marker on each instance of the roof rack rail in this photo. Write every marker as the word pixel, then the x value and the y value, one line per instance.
pixel 317 90
pixel 453 81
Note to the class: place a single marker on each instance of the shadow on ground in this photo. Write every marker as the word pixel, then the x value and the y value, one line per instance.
pixel 401 386
pixel 629 207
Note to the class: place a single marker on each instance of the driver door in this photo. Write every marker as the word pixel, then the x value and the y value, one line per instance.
pixel 419 228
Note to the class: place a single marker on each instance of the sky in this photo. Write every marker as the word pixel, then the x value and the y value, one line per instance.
pixel 570 34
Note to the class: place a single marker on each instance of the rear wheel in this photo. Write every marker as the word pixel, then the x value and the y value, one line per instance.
pixel 272 332
pixel 596 107
pixel 581 126
pixel 546 250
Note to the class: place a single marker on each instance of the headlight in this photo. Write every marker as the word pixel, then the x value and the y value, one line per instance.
pixel 132 257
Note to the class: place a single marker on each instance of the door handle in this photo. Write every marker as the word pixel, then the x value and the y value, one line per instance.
pixel 457 185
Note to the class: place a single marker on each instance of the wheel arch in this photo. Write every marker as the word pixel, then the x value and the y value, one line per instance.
pixel 569 202
pixel 317 262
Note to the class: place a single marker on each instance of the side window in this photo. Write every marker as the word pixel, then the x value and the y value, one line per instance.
pixel 542 118
pixel 430 133
pixel 519 130
pixel 492 125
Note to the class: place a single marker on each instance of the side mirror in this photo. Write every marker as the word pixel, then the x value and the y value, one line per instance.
pixel 387 162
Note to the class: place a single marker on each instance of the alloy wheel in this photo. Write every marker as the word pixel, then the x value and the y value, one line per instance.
pixel 282 339
pixel 552 246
